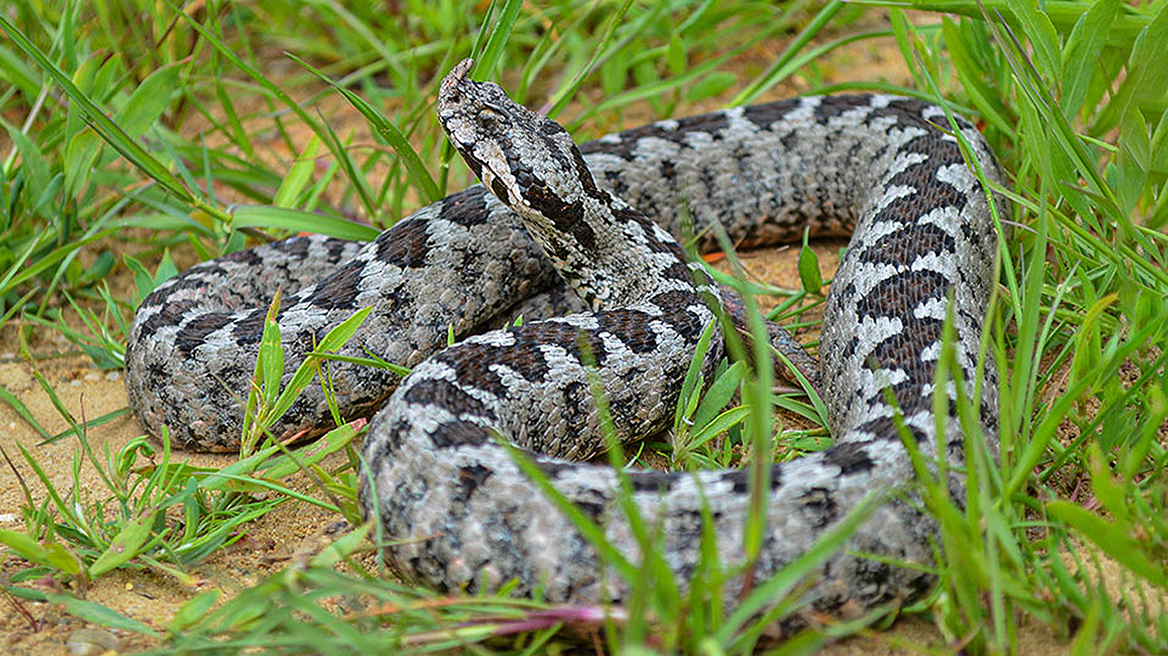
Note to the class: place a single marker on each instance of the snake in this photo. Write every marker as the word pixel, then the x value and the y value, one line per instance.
pixel 459 453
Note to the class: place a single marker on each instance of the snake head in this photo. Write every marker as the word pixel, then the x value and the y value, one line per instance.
pixel 524 158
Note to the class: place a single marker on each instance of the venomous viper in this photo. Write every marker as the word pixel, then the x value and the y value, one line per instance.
pixel 461 512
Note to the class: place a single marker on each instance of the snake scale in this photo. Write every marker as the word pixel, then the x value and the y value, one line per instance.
pixel 460 512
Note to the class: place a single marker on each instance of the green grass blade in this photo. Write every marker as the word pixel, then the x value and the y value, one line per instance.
pixel 101 615
pixel 389 132
pixel 285 218
pixel 110 131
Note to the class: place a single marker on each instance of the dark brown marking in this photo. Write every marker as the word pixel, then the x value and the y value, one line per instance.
pixel 340 290
pixel 194 333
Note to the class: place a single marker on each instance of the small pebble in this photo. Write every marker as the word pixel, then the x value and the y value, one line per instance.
pixel 92 642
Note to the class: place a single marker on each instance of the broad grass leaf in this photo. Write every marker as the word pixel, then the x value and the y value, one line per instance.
pixel 1043 37
pixel 16 72
pixel 1111 537
pixel 1082 51
pixel 194 610
pixel 809 269
pixel 149 100
pixel 98 614
pixel 719 394
pixel 124 546
pixel 1147 76
pixel 286 218
pixel 298 176
pixel 711 85
pixel 33 164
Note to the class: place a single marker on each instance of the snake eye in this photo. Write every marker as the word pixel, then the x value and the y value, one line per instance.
pixel 491 114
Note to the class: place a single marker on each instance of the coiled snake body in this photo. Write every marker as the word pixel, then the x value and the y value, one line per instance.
pixel 460 510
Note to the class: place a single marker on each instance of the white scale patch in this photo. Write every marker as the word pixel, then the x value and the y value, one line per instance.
pixel 943 218
pixel 941 263
pixel 581 321
pixel 656 148
pixel 867 275
pixel 959 176
pixel 934 308
pixel 500 338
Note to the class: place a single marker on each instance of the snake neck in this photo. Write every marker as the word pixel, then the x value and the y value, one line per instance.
pixel 608 251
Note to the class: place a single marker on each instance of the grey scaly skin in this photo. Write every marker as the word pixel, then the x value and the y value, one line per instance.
pixel 465 515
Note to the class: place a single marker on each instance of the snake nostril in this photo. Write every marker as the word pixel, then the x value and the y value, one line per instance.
pixel 523 178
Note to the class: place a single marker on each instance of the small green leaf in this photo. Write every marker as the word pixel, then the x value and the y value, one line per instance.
pixel 675 56
pixel 343 332
pixel 1109 493
pixel 28 548
pixel 809 269
pixel 149 100
pixel 719 394
pixel 23 411
pixel 343 547
pixel 711 85
pixel 34 166
pixel 1135 160
pixel 1148 56
pixel 166 269
pixel 124 546
pixel 57 555
pixel 80 156
pixel 690 385
pixel 1043 37
pixel 298 175
pixel 272 352
pixel 1081 53
pixel 98 270
pixel 16 72
pixel 98 614
pixel 719 424
pixel 194 610
pixel 143 281
pixel 286 218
